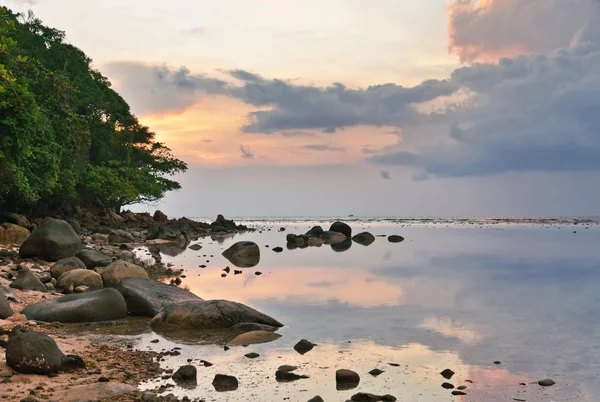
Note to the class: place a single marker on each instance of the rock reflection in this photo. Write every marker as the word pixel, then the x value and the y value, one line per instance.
pixel 342 246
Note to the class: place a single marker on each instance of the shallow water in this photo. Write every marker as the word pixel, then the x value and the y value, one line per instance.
pixel 454 294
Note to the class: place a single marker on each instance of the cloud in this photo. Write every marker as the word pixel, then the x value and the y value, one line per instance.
pixel 369 151
pixel 297 133
pixel 318 147
pixel 246 153
pixel 197 31
pixel 385 175
pixel 485 30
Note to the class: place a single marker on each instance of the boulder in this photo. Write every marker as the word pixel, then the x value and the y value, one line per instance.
pixel 92 258
pixel 120 236
pixel 243 254
pixel 330 237
pixel 5 309
pixel 195 247
pixel 395 239
pixel 170 232
pixel 315 231
pixel 223 383
pixel 100 305
pixel 7 292
pixel 304 346
pixel 364 238
pixel 100 238
pixel 75 225
pixel 112 275
pixel 223 223
pixel 342 246
pixel 346 379
pixel 13 234
pixel 208 315
pixel 254 338
pixel 65 265
pixel 79 277
pixel 159 216
pixel 26 280
pixel 8 217
pixel 341 227
pixel 31 352
pixel 51 241
pixel 146 297
pixel 186 373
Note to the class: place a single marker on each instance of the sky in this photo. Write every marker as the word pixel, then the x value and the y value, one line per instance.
pixel 375 108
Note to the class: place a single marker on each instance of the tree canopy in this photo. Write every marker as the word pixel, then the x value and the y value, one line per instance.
pixel 66 137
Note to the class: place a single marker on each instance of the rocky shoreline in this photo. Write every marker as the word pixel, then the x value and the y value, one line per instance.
pixel 84 269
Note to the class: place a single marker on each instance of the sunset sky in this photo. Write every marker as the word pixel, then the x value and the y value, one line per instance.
pixel 365 107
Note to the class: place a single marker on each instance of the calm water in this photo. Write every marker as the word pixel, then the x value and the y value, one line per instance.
pixel 454 294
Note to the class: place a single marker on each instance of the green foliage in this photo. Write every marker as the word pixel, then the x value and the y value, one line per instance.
pixel 66 137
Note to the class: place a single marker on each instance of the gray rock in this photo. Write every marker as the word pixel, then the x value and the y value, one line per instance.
pixel 147 297
pixel 243 254
pixel 165 232
pixel 7 292
pixel 80 277
pixel 364 238
pixel 75 225
pixel 341 227
pixel 364 397
pixel 223 383
pixel 287 368
pixel 5 309
pixel 50 287
pixel 207 315
pixel 45 277
pixel 92 258
pixel 115 272
pixel 186 373
pixel 395 239
pixel 26 280
pixel 120 236
pixel 99 305
pixel 546 383
pixel 51 241
pixel 304 346
pixel 346 379
pixel 315 231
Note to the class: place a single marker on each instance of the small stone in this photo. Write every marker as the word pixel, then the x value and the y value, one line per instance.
pixel 103 379
pixel 252 355
pixel 257 273
pixel 462 387
pixel 456 393
pixel 346 379
pixel 227 269
pixel 304 346
pixel 287 368
pixel 546 383
pixel 447 374
pixel 277 249
pixel 376 372
pixel 447 385
pixel 497 362
pixel 185 374
pixel 223 383
pixel 316 399
pixel 154 341
pixel 223 275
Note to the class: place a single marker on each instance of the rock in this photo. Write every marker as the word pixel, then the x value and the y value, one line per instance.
pixel 364 238
pixel 171 232
pixel 92 258
pixel 208 315
pixel 254 338
pixel 79 277
pixel 364 397
pixel 185 374
pixel 65 265
pixel 31 352
pixel 346 379
pixel 333 237
pixel 100 238
pixel 224 383
pixel 462 387
pixel 342 246
pixel 277 249
pixel 341 227
pixel 50 287
pixel 546 383
pixel 81 289
pixel 447 385
pixel 252 355
pixel 9 217
pixel 26 280
pixel 195 247
pixel 45 277
pixel 287 368
pixel 457 393
pixel 395 239
pixel 120 236
pixel 147 297
pixel 316 399
pixel 447 374
pixel 243 254
pixel 376 372
pixel 291 238
pixel 287 376
pixel 7 292
pixel 51 241
pixel 5 309
pixel 159 216
pixel 100 305
pixel 315 231
pixel 98 391
pixel 253 326
pixel 75 225
pixel 115 272
pixel 304 346
pixel 223 223
pixel 13 234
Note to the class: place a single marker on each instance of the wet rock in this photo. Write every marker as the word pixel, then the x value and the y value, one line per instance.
pixel 171 232
pixel 364 397
pixel 243 254
pixel 457 393
pixel 258 273
pixel 332 237
pixel 288 368
pixel 315 231
pixel 195 247
pixel 26 280
pixel 254 338
pixel 364 238
pixel 5 309
pixel 395 239
pixel 341 227
pixel 497 362
pixel 447 374
pixel 147 297
pixel 223 383
pixel 115 272
pixel 100 305
pixel 92 258
pixel 291 238
pixel 304 346
pixel 120 236
pixel 210 314
pixel 79 277
pixel 376 372
pixel 253 326
pixel 287 376
pixel 447 385
pixel 316 399
pixel 462 387
pixel 277 249
pixel 546 383
pixel 346 379
pixel 186 373
pixel 252 355
pixel 13 234
pixel 51 241
pixel 342 246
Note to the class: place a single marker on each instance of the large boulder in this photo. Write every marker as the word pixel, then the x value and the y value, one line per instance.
pixel 341 227
pixel 92 258
pixel 31 352
pixel 65 265
pixel 26 280
pixel 315 231
pixel 159 216
pixel 147 297
pixel 5 309
pixel 9 217
pixel 120 236
pixel 208 315
pixel 75 225
pixel 170 232
pixel 53 240
pixel 100 305
pixel 112 275
pixel 364 238
pixel 13 234
pixel 79 277
pixel 243 254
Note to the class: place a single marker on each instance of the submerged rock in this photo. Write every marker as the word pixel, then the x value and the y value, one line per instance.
pixel 254 338
pixel 65 265
pixel 53 240
pixel 208 314
pixel 147 297
pixel 342 246
pixel 364 238
pixel 100 305
pixel 288 375
pixel 118 270
pixel 243 254
pixel 331 237
pixel 26 280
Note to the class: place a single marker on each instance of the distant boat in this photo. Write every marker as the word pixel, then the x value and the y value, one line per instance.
pixel 350 216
